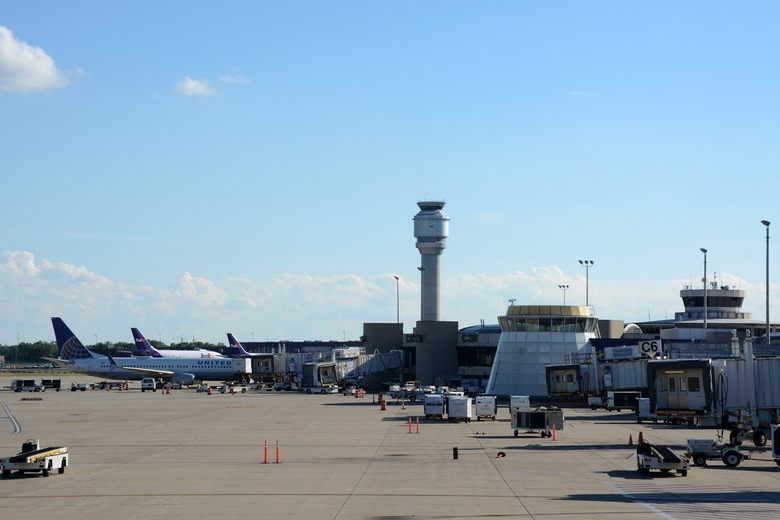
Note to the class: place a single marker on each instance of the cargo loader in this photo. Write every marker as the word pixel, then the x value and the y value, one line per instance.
pixel 34 459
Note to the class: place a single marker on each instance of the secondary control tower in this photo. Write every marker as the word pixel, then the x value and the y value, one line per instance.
pixel 431 229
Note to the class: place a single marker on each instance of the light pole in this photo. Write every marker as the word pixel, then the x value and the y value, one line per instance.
pixel 397 301
pixel 705 290
pixel 766 223
pixel 587 264
pixel 564 288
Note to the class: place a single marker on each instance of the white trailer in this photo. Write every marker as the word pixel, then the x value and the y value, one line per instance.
pixel 33 459
pixel 459 408
pixel 486 406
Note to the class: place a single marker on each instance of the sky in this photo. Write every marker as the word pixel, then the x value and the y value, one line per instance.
pixel 195 168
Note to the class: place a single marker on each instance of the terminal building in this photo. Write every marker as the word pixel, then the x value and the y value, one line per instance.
pixel 509 358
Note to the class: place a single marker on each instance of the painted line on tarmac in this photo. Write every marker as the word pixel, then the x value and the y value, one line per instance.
pixel 16 425
pixel 702 502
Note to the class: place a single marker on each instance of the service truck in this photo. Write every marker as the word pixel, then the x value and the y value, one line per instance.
pixel 34 459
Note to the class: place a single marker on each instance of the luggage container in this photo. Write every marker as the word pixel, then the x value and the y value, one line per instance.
pixel 522 402
pixel 434 406
pixel 459 408
pixel 541 420
pixel 486 406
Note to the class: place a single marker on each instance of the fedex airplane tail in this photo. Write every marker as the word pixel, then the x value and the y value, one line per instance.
pixel 68 345
pixel 143 345
pixel 234 347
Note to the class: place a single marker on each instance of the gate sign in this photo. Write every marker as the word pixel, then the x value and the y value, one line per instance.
pixel 651 347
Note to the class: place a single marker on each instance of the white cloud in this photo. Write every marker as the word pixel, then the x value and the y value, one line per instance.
pixel 299 306
pixel 194 87
pixel 24 68
pixel 234 79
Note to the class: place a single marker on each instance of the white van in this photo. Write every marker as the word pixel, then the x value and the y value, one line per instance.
pixel 148 383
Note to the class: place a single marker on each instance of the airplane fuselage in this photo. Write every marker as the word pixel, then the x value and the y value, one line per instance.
pixel 202 369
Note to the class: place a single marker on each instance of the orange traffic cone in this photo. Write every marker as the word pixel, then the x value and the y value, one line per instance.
pixel 640 440
pixel 630 440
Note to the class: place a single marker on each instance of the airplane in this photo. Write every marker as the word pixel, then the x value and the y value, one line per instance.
pixel 145 348
pixel 77 357
pixel 235 350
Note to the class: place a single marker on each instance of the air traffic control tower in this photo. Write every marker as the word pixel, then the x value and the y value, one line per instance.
pixel 431 228
pixel 435 340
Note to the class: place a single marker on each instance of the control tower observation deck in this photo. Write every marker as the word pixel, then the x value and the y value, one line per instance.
pixel 431 229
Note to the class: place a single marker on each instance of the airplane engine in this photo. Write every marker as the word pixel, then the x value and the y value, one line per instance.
pixel 185 379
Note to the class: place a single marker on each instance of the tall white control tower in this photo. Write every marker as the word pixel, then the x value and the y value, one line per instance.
pixel 431 229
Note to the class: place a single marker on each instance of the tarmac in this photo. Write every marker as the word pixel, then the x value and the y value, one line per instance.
pixel 160 455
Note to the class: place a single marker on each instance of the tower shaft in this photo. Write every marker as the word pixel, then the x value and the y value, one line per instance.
pixel 431 228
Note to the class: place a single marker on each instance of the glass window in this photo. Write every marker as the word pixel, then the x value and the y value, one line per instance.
pixel 556 325
pixel 672 385
pixel 693 384
pixel 683 384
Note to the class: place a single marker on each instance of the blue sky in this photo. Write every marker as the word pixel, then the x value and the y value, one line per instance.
pixel 197 168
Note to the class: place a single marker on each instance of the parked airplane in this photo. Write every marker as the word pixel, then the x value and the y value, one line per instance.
pixel 143 346
pixel 235 350
pixel 77 357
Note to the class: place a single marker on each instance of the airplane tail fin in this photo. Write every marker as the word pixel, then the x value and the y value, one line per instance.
pixel 68 345
pixel 143 345
pixel 235 348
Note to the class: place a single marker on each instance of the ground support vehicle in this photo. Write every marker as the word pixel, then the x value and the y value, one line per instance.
pixel 79 386
pixel 744 430
pixel 33 459
pixel 109 385
pixel 643 411
pixel 663 458
pixel 459 408
pixel 486 407
pixel 702 450
pixel 232 389
pixel 434 406
pixel 615 400
pixel 26 385
pixel 56 384
pixel 148 383
pixel 541 420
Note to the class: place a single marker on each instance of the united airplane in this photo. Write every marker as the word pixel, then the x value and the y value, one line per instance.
pixel 143 345
pixel 77 357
